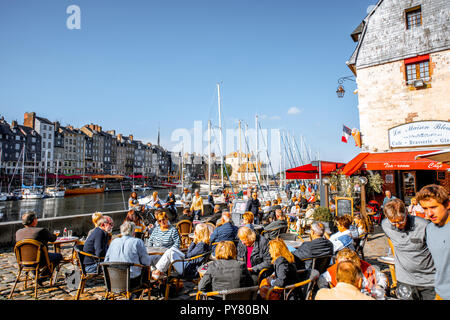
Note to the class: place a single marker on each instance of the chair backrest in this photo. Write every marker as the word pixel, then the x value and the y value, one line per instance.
pixel 80 255
pixel 304 288
pixel 184 227
pixel 117 276
pixel 288 236
pixel 322 263
pixel 246 293
pixel 30 253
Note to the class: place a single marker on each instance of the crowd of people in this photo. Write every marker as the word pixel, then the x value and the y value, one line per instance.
pixel 239 254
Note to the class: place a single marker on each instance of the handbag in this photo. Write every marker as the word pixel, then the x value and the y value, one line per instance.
pixel 264 288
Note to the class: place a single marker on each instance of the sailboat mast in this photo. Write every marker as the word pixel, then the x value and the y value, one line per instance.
pixel 239 159
pixel 257 148
pixel 220 128
pixel 209 154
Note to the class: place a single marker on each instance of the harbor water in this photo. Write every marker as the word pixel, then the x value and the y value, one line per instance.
pixel 12 210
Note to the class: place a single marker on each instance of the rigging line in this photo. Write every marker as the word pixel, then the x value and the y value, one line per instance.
pixel 284 144
pixel 270 162
pixel 296 149
pixel 291 159
pixel 254 169
pixel 225 166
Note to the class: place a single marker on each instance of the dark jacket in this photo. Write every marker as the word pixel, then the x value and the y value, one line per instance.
pixel 39 234
pixel 285 272
pixel 260 257
pixel 224 275
pixel 214 217
pixel 274 225
pixel 225 232
pixel 195 249
pixel 253 206
pixel 310 249
pixel 96 244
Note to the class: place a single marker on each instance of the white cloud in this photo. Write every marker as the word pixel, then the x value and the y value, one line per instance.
pixel 275 118
pixel 294 110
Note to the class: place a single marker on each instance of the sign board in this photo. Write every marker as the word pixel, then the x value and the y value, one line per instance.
pixel 420 134
pixel 237 211
pixel 344 206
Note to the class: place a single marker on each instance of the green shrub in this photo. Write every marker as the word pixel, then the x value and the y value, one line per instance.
pixel 323 214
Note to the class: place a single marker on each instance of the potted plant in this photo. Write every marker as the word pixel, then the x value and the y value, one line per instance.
pixel 324 215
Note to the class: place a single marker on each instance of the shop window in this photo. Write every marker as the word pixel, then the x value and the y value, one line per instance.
pixel 413 17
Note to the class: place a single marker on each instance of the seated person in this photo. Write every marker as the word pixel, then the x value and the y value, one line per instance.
pixel 133 216
pixel 358 228
pixel 31 231
pixel 284 265
pixel 371 276
pixel 128 248
pixel 267 207
pixel 216 214
pixel 253 249
pixel 342 238
pixel 187 215
pixel 133 202
pixel 348 284
pixel 97 243
pixel 271 231
pixel 154 201
pixel 225 272
pixel 198 246
pixel 226 231
pixel 163 234
pixel 247 220
pixel 95 218
pixel 317 247
pixel 308 219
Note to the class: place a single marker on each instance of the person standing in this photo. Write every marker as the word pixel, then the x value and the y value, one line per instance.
pixel 388 197
pixel 197 205
pixel 170 204
pixel 253 205
pixel 186 198
pixel 435 201
pixel 414 267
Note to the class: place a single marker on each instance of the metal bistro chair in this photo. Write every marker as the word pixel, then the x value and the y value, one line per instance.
pixel 306 285
pixel 247 293
pixel 118 281
pixel 32 256
pixel 173 277
pixel 274 233
pixel 184 228
pixel 82 274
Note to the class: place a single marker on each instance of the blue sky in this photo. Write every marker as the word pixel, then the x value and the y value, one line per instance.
pixel 136 65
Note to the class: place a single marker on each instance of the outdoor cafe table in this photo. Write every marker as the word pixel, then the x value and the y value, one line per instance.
pixel 62 241
pixel 156 250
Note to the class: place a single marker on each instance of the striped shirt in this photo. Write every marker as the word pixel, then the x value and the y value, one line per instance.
pixel 168 238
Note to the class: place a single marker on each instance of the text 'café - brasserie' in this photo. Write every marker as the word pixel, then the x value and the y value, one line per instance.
pixel 405 172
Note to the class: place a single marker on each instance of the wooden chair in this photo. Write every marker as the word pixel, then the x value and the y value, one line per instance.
pixel 173 277
pixel 247 293
pixel 306 285
pixel 32 256
pixel 118 281
pixel 184 228
pixel 83 275
pixel 392 266
pixel 264 273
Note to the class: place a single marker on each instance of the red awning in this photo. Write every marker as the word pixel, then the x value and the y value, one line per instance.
pixel 308 171
pixel 392 161
pixel 62 176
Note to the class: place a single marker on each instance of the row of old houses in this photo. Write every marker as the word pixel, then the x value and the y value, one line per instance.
pixel 48 146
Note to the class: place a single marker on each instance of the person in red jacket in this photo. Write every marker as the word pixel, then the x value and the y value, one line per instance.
pixel 372 277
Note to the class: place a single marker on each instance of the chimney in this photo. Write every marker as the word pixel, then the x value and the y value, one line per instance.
pixel 14 123
pixel 119 136
pixel 111 132
pixel 57 125
pixel 131 137
pixel 28 119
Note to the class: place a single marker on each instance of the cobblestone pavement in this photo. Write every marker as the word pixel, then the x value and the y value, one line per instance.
pixel 376 246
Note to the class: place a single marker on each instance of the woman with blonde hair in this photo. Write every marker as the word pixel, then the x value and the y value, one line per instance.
pixel 154 200
pixel 247 219
pixel 188 269
pixel 284 264
pixel 96 216
pixel 225 272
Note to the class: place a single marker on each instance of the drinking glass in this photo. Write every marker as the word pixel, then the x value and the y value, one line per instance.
pixel 69 233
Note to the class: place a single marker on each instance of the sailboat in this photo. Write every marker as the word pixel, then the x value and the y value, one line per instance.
pixel 56 191
pixel 32 192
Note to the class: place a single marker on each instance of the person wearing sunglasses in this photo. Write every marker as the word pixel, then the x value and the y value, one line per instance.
pixel 414 266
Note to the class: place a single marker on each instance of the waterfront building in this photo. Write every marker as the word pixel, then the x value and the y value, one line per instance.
pixel 46 130
pixel 402 68
pixel 59 151
pixel 147 171
pixel 74 150
pixel 139 157
pixel 93 131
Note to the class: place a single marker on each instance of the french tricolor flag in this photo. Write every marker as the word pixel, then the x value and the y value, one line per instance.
pixel 346 133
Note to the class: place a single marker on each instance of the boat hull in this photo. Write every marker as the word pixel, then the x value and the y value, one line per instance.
pixel 84 191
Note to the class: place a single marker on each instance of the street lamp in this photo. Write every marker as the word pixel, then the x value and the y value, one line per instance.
pixel 363 180
pixel 326 181
pixel 340 91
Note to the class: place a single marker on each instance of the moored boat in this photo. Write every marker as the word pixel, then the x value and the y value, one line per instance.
pixel 84 189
